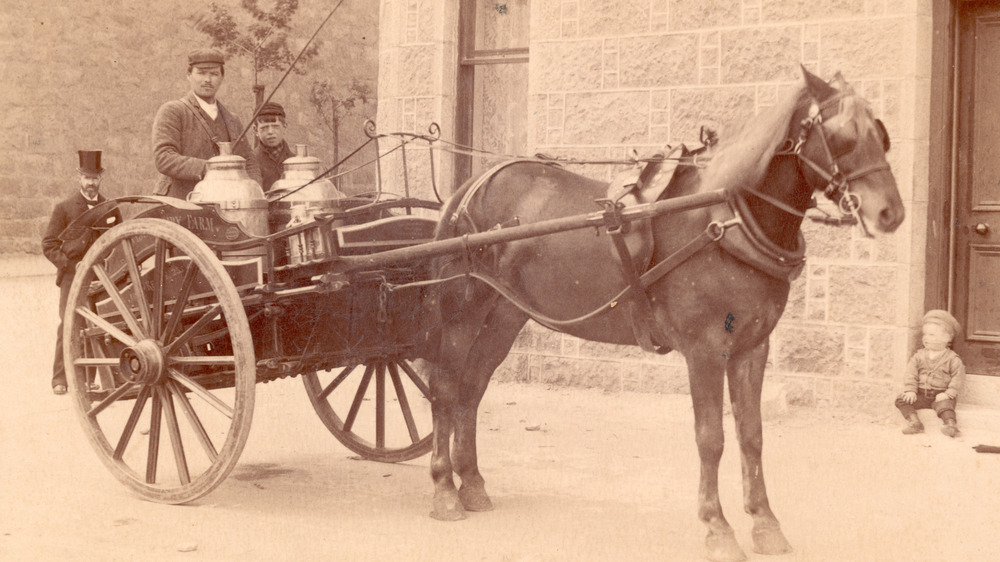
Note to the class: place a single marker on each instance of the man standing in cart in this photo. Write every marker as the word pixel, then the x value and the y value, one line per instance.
pixel 273 148
pixel 187 132
pixel 65 253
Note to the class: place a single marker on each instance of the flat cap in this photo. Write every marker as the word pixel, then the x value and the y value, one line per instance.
pixel 945 320
pixel 271 109
pixel 206 56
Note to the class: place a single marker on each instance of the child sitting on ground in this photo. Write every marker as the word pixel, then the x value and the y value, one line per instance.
pixel 934 375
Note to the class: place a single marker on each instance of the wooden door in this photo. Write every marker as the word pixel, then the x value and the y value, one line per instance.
pixel 976 285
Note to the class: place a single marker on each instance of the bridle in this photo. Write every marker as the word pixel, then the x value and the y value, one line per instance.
pixel 837 187
pixel 838 184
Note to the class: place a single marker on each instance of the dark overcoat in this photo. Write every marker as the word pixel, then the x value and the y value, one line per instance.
pixel 185 137
pixel 66 254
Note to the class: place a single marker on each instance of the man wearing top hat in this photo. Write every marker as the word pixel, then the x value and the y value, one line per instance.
pixel 187 132
pixel 66 254
pixel 273 149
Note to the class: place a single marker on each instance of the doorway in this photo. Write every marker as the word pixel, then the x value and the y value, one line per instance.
pixel 975 269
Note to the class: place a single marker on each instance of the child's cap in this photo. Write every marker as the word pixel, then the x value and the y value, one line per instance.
pixel 945 320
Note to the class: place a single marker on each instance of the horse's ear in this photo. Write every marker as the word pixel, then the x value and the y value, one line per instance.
pixel 819 89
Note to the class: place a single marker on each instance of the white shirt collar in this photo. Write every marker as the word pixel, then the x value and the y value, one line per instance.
pixel 212 109
pixel 87 199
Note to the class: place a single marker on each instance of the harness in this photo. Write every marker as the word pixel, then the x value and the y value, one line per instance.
pixel 732 226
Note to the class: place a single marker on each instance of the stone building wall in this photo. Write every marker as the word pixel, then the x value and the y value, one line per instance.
pixel 91 74
pixel 607 77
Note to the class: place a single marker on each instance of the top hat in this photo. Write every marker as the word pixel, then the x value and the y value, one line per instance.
pixel 206 56
pixel 271 109
pixel 90 162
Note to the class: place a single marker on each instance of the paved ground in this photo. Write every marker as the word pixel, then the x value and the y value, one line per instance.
pixel 604 477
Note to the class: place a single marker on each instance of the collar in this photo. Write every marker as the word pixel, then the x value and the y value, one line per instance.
pixel 748 243
pixel 90 201
pixel 212 109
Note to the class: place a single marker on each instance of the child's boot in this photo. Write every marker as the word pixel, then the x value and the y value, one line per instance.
pixel 950 427
pixel 913 425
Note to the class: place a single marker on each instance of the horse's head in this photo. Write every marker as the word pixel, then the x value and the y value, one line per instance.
pixel 842 148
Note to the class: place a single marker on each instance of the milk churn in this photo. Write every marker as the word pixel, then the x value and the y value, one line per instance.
pixel 306 198
pixel 240 198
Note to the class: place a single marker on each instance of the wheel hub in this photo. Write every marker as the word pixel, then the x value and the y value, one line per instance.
pixel 142 363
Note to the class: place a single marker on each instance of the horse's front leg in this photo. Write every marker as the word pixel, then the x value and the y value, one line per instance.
pixel 746 377
pixel 706 378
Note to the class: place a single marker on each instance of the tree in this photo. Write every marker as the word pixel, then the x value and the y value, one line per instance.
pixel 259 35
pixel 333 102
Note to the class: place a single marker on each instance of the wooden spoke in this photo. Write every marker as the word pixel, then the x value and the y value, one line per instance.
pixel 336 382
pixel 103 324
pixel 96 362
pixel 404 404
pixel 380 406
pixel 116 298
pixel 175 436
pixel 110 399
pixel 133 419
pixel 159 276
pixel 177 312
pixel 218 360
pixel 202 322
pixel 420 384
pixel 358 397
pixel 153 455
pixel 202 392
pixel 136 279
pixel 193 419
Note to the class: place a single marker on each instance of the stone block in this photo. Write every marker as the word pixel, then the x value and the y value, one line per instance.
pixel 656 379
pixel 826 241
pixel 607 118
pixel 609 18
pixel 795 308
pixel 724 109
pixel 811 349
pixel 658 61
pixel 585 373
pixel 760 55
pixel 418 70
pixel 848 45
pixel 863 294
pixel 783 10
pixel 513 369
pixel 566 65
pixel 886 353
pixel 697 14
pixel 773 401
pixel 798 391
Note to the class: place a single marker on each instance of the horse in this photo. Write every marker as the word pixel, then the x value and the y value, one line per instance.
pixel 714 305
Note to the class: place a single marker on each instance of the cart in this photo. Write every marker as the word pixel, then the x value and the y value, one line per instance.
pixel 177 313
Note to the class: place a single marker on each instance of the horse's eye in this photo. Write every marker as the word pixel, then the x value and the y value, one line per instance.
pixel 884 134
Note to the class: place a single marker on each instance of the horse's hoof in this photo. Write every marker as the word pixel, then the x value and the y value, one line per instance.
pixel 448 508
pixel 770 540
pixel 724 548
pixel 475 499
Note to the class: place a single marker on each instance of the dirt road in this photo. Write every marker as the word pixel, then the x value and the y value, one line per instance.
pixel 598 477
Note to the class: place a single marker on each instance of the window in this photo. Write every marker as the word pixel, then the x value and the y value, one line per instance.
pixel 492 94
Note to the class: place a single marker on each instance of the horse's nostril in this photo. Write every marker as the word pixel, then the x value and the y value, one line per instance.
pixel 889 219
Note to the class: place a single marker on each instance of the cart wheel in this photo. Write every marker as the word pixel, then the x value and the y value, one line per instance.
pixel 158 350
pixel 396 428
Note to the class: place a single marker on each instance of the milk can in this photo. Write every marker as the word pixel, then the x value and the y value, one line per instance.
pixel 306 198
pixel 239 197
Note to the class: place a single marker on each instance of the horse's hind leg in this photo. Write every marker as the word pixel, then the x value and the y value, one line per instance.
pixel 746 377
pixel 473 344
pixel 706 372
pixel 490 348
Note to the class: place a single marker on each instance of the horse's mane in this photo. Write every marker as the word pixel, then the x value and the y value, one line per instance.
pixel 742 159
